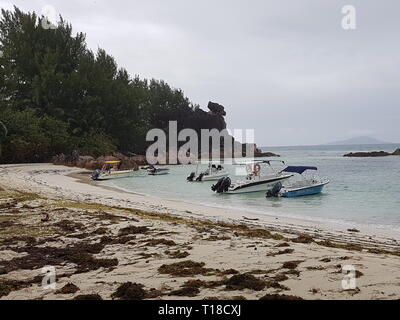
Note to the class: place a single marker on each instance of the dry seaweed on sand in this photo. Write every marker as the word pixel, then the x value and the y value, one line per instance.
pixel 285 251
pixel 69 288
pixel 291 264
pixel 244 281
pixel 94 296
pixel 185 292
pixel 132 230
pixel 196 283
pixel 130 291
pixel 79 254
pixel 185 269
pixel 279 297
pixel 156 242
pixel 177 254
pixel 69 226
pixel 303 238
pixel 282 245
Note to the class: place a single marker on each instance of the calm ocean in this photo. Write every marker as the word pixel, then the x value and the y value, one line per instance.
pixel 363 191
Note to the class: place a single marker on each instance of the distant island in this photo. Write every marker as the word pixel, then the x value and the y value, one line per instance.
pixel 357 140
pixel 372 154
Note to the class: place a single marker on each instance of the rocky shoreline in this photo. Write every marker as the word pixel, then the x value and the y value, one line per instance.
pixel 372 154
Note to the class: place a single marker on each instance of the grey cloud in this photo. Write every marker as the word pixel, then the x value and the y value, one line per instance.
pixel 285 68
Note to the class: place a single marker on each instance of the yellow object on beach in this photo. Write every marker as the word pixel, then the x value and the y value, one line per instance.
pixel 112 162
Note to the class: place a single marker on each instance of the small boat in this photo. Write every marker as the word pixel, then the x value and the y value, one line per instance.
pixel 212 173
pixel 111 170
pixel 254 182
pixel 307 185
pixel 153 171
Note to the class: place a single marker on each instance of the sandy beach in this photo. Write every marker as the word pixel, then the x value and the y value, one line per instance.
pixel 109 244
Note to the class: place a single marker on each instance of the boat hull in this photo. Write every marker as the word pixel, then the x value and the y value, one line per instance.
pixel 116 175
pixel 307 191
pixel 258 186
pixel 214 177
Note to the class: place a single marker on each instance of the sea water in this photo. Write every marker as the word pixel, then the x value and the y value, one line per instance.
pixel 362 191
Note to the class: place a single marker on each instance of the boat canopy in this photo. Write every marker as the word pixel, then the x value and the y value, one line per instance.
pixel 298 169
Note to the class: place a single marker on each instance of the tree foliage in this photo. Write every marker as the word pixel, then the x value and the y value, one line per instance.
pixel 56 96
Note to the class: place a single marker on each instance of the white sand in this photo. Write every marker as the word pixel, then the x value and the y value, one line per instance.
pixel 317 280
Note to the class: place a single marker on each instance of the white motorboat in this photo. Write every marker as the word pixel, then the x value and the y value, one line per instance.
pixel 214 172
pixel 304 185
pixel 255 180
pixel 110 170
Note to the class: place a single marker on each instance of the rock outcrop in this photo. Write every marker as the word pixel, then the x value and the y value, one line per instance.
pixel 91 163
pixel 216 109
pixel 372 154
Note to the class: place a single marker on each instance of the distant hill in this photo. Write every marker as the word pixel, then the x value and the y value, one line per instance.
pixel 357 140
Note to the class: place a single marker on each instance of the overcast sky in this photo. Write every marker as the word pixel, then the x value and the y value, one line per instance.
pixel 285 68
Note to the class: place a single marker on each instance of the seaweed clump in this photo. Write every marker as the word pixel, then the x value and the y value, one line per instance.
pixel 244 281
pixel 132 230
pixel 185 269
pixel 130 291
pixel 69 288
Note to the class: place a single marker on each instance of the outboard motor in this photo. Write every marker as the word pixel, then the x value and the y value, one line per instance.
pixel 225 184
pixel 191 177
pixel 222 185
pixel 96 174
pixel 200 177
pixel 216 186
pixel 274 192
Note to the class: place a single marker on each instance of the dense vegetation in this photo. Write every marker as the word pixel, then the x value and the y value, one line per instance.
pixel 57 96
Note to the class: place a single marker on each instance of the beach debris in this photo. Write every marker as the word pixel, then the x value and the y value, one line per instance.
pixel 177 254
pixel 244 281
pixel 46 218
pixel 69 226
pixel 291 264
pixel 156 242
pixel 130 291
pixel 325 260
pixel 250 219
pixel 353 230
pixel 80 254
pixel 185 269
pixel 69 288
pixel 185 291
pixel 132 230
pixel 303 238
pixel 286 251
pixel 279 297
pixel 94 296
pixel 282 245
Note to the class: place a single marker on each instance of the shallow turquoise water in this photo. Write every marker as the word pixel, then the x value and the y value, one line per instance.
pixel 362 190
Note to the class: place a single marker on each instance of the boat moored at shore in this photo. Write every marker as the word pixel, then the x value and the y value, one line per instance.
pixel 254 182
pixel 111 170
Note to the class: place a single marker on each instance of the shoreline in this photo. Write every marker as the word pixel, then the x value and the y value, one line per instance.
pixel 163 249
pixel 72 183
pixel 386 231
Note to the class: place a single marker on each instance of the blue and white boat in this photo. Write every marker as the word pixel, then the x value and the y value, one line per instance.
pixel 305 186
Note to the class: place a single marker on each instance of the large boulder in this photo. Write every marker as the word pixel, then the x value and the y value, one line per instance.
pixel 216 109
